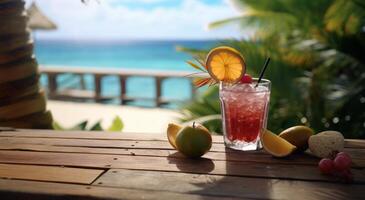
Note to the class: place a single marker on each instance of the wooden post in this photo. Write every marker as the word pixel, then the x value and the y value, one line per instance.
pixel 97 84
pixel 158 85
pixel 123 89
pixel 193 89
pixel 82 82
pixel 52 84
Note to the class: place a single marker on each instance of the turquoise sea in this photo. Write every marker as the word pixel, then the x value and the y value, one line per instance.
pixel 151 55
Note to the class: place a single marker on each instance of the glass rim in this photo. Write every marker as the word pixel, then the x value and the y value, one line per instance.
pixel 262 82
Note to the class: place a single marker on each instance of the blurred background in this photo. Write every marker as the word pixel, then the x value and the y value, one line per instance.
pixel 317 51
pixel 142 34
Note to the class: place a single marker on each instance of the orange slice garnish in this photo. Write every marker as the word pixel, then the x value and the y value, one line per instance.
pixel 225 64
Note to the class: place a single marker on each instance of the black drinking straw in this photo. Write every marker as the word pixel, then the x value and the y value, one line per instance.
pixel 263 70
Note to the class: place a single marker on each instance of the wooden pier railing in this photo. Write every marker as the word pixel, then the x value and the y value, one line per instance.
pixel 98 73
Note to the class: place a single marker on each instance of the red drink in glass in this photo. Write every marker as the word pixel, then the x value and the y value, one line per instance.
pixel 244 113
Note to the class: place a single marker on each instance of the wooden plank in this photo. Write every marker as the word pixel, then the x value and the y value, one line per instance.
pixel 160 145
pixel 98 143
pixel 357 144
pixel 236 156
pixel 214 185
pixel 258 156
pixel 172 164
pixel 350 143
pixel 17 189
pixel 118 72
pixel 91 135
pixel 49 173
pixel 7 129
pixel 356 153
pixel 358 156
pixel 76 94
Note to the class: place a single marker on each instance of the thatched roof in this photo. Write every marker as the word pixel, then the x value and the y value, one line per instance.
pixel 37 20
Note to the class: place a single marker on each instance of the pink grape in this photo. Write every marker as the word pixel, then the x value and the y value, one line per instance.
pixel 339 167
pixel 346 176
pixel 342 162
pixel 326 166
pixel 344 154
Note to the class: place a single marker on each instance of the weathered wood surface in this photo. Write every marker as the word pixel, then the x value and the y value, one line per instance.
pixel 37 164
pixel 48 173
pixel 19 189
pixel 225 185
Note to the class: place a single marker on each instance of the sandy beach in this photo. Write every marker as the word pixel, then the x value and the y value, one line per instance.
pixel 135 119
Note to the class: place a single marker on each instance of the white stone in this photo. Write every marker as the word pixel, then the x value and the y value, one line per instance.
pixel 325 143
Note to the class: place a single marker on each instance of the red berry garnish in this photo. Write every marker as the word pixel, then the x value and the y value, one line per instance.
pixel 326 166
pixel 246 78
pixel 342 162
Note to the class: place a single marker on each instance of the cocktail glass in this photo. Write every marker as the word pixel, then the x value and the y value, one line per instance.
pixel 244 113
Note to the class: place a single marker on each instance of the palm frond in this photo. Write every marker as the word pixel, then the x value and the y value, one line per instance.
pixel 196 66
pixel 262 21
pixel 344 17
pixel 224 22
pixel 200 82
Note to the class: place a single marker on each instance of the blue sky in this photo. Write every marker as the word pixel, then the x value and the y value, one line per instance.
pixel 137 19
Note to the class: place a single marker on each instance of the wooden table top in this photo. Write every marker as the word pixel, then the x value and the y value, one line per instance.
pixel 39 164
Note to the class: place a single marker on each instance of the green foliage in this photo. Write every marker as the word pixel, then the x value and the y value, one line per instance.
pixel 117 125
pixel 96 127
pixel 204 110
pixel 317 69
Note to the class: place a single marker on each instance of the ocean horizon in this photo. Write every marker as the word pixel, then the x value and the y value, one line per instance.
pixel 123 54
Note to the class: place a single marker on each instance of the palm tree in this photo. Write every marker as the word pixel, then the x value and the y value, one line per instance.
pixel 318 71
pixel 22 103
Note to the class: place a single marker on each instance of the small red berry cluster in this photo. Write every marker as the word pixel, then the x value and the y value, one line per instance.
pixel 246 78
pixel 339 166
